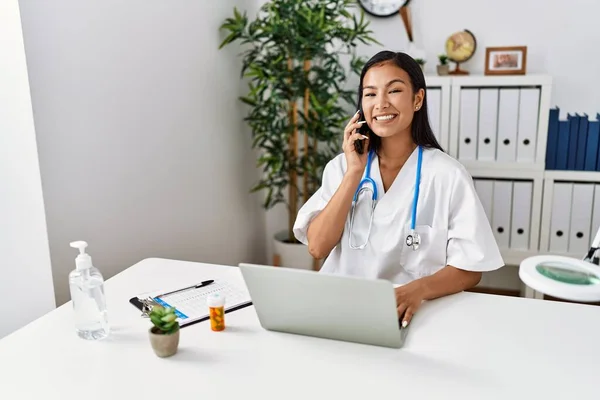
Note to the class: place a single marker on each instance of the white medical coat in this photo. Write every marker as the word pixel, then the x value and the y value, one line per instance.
pixel 451 222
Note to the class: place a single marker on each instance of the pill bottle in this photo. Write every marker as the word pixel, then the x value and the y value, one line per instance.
pixel 216 307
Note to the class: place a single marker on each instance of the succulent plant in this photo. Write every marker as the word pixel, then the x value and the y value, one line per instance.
pixel 164 320
pixel 443 59
pixel 420 61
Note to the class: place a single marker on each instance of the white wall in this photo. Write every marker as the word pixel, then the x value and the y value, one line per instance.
pixel 561 38
pixel 143 151
pixel 26 290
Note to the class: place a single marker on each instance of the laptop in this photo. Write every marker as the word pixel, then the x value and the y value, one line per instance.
pixel 324 305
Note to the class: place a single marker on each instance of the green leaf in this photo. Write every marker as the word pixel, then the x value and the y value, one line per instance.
pixel 169 318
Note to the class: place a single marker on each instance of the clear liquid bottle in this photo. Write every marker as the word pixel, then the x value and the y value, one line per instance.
pixel 87 295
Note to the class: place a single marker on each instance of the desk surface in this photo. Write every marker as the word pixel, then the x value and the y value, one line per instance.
pixel 465 346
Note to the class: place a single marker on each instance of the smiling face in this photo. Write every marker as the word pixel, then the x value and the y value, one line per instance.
pixel 388 101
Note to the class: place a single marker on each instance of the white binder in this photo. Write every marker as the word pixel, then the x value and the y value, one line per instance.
pixel 528 124
pixel 561 217
pixel 467 127
pixel 434 110
pixel 501 212
pixel 488 124
pixel 595 214
pixel 521 215
pixel 485 192
pixel 581 221
pixel 508 118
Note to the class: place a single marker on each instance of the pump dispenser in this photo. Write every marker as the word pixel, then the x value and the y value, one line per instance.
pixel 83 260
pixel 87 294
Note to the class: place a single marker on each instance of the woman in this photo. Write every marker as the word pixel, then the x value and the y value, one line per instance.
pixel 455 240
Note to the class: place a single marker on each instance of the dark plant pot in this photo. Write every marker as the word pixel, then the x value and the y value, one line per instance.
pixel 164 345
pixel 443 69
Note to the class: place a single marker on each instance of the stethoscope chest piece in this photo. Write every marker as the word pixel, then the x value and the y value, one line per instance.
pixel 413 240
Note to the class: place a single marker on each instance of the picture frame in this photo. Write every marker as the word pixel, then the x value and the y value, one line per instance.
pixel 506 60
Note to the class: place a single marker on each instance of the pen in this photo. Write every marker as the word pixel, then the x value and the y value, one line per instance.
pixel 199 285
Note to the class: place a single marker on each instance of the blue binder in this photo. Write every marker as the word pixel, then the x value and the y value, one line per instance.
pixel 573 121
pixel 552 138
pixel 591 151
pixel 582 136
pixel 562 145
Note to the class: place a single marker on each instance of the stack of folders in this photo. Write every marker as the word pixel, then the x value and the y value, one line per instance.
pixel 573 144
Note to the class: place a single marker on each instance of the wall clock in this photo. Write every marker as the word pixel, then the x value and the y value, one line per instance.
pixel 383 8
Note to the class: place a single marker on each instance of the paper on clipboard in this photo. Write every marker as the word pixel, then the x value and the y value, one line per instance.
pixel 190 304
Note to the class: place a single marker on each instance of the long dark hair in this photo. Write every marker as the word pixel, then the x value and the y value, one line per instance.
pixel 421 131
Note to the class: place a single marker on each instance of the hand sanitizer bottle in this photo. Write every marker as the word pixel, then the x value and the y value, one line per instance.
pixel 87 294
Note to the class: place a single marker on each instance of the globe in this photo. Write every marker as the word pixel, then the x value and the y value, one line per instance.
pixel 460 47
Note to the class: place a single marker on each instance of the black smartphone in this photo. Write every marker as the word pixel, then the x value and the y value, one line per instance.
pixel 359 145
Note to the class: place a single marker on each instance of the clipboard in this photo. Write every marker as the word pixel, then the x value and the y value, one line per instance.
pixel 190 302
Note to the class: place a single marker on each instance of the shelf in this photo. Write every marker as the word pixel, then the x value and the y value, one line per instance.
pixel 504 81
pixel 436 80
pixel 502 166
pixel 585 176
pixel 495 172
pixel 515 257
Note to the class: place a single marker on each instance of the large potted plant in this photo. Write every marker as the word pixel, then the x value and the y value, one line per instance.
pixel 298 102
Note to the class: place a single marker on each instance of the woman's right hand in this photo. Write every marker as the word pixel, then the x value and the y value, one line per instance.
pixel 356 162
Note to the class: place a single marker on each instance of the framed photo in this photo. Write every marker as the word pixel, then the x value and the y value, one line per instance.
pixel 506 60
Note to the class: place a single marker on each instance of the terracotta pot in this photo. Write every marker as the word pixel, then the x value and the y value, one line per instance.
pixel 443 69
pixel 163 345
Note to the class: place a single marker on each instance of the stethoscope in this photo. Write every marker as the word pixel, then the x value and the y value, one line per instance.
pixel 413 239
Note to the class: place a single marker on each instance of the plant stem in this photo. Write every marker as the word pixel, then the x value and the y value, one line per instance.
pixel 293 192
pixel 306 150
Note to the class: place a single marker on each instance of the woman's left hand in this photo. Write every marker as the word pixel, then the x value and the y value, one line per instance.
pixel 408 299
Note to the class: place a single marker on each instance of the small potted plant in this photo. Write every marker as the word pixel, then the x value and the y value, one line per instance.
pixel 443 68
pixel 164 334
pixel 421 62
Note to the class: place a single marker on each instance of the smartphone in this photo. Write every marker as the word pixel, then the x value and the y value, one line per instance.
pixel 364 129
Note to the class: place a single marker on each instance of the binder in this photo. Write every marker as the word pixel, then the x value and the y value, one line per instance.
pixel 501 212
pixel 508 118
pixel 561 217
pixel 190 302
pixel 581 211
pixel 488 124
pixel 467 134
pixel 529 104
pixel 562 147
pixel 552 140
pixel 582 136
pixel 485 192
pixel 573 134
pixel 521 215
pixel 434 110
pixel 591 147
pixel 595 214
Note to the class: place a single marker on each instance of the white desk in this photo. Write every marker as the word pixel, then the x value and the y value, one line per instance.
pixel 466 346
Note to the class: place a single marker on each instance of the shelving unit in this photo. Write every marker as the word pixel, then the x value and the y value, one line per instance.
pixel 497 127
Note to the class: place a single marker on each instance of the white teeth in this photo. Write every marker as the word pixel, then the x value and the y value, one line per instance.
pixel 384 117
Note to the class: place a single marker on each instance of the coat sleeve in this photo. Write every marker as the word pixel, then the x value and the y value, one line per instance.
pixel 471 242
pixel 332 177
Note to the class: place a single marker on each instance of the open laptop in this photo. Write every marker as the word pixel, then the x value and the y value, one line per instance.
pixel 324 305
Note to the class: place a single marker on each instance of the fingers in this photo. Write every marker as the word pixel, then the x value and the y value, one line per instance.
pixel 407 317
pixel 353 119
pixel 402 310
pixel 353 138
pixel 352 128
